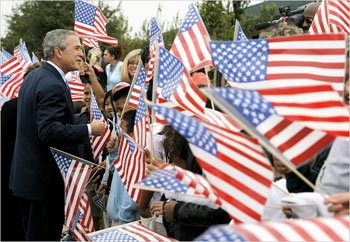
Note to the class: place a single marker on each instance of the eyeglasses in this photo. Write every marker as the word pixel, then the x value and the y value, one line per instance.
pixel 309 20
pixel 132 63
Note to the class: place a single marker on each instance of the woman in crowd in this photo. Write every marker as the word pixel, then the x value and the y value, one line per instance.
pixel 129 67
pixel 94 57
pixel 113 55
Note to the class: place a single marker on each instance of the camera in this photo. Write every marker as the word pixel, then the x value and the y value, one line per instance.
pixel 290 17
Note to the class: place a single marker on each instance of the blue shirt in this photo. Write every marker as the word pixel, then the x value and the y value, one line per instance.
pixel 113 77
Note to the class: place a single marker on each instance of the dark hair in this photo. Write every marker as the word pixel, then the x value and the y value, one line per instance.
pixel 117 51
pixel 149 90
pixel 129 117
pixel 175 145
pixel 108 95
pixel 144 55
pixel 121 93
pixel 33 67
pixel 78 105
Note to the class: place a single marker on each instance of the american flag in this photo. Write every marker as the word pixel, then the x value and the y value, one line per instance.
pixel 77 89
pixel 156 38
pixel 16 51
pixel 34 58
pixel 175 84
pixel 23 56
pixel 83 223
pixel 91 23
pixel 239 34
pixel 220 119
pixel 11 67
pixel 91 43
pixel 3 78
pixel 191 43
pixel 140 123
pixel 3 100
pixel 134 96
pixel 98 200
pixel 301 60
pixel 75 173
pixel 11 87
pixel 164 180
pixel 98 142
pixel 317 229
pixel 131 166
pixel 128 232
pixel 333 16
pixel 295 141
pixel 235 165
pixel 317 107
pixel 7 54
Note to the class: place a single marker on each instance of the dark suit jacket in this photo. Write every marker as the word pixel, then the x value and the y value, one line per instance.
pixel 44 118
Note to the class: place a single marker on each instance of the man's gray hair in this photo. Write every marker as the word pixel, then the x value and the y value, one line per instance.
pixel 56 38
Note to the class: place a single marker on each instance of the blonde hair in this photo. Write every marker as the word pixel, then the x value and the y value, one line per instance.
pixel 124 74
pixel 94 57
pixel 282 29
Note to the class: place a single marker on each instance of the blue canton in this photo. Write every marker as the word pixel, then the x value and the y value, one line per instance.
pixel 7 54
pixel 99 201
pixel 240 35
pixel 4 78
pixel 96 112
pixel 85 13
pixel 165 180
pixel 23 52
pixel 241 61
pixel 190 128
pixel 220 233
pixel 63 162
pixel 155 32
pixel 192 17
pixel 34 58
pixel 254 107
pixel 2 60
pixel 141 108
pixel 141 76
pixel 113 236
pixel 170 73
pixel 78 218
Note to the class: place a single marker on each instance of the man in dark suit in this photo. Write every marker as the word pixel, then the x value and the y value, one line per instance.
pixel 44 119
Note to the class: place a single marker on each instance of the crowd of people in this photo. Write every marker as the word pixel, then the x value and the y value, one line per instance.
pixel 46 116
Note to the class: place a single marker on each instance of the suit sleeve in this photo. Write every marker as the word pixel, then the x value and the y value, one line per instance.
pixel 53 117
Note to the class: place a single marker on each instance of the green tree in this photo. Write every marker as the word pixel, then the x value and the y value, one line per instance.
pixel 249 21
pixel 31 20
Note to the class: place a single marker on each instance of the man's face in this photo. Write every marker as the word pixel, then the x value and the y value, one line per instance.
pixel 71 57
pixel 308 18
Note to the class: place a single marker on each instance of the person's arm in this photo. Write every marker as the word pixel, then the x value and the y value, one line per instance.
pixel 143 206
pixel 51 117
pixel 340 203
pixel 95 85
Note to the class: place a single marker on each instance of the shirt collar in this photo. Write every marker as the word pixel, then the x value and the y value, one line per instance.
pixel 58 69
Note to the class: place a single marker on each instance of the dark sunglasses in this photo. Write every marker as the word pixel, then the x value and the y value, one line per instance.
pixel 309 20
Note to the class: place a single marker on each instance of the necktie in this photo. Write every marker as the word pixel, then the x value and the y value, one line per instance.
pixel 65 81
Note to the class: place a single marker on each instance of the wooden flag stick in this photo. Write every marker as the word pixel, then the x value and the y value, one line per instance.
pixel 273 207
pixel 131 88
pixel 285 192
pixel 237 117
pixel 165 191
pixel 208 82
pixel 149 120
pixel 78 158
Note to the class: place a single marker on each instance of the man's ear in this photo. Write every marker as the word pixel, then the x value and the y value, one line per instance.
pixel 58 52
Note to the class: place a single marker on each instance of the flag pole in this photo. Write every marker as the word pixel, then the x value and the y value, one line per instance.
pixel 130 90
pixel 237 117
pixel 78 158
pixel 149 120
